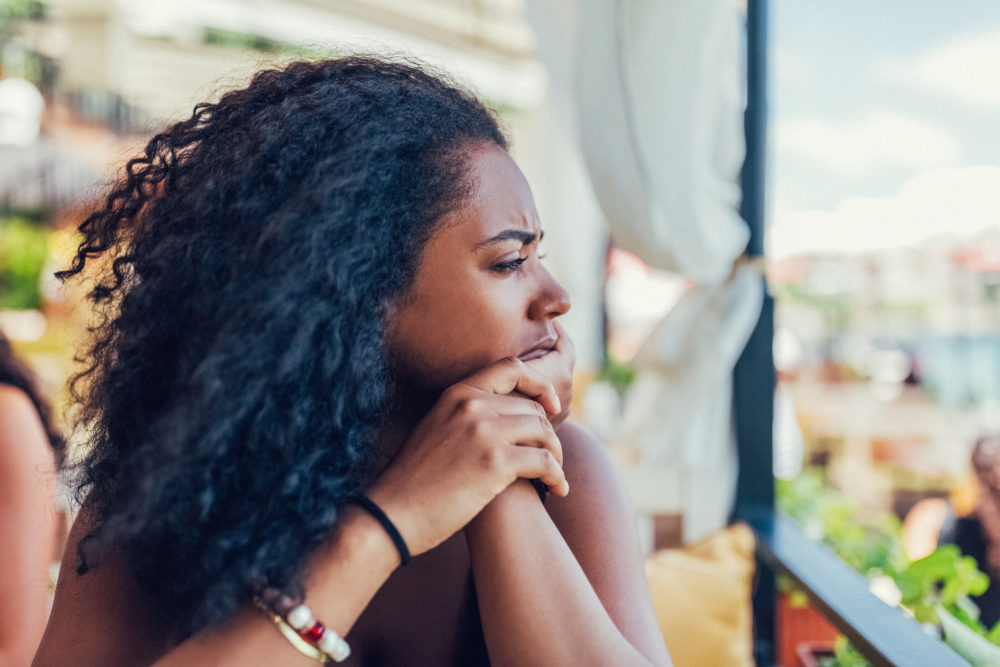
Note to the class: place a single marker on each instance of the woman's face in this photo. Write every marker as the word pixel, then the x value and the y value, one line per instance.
pixel 481 293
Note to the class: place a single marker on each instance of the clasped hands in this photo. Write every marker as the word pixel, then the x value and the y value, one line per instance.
pixel 485 432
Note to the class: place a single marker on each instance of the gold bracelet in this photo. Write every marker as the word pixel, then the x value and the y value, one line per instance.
pixel 339 649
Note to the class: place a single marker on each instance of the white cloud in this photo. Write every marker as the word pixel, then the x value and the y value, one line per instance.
pixel 967 67
pixel 882 139
pixel 790 69
pixel 959 201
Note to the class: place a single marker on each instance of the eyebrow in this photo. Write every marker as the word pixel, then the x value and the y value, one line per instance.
pixel 512 235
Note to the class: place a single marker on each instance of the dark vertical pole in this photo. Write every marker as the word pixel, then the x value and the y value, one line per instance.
pixel 754 375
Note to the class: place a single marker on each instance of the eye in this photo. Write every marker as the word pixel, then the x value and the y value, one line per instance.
pixel 509 266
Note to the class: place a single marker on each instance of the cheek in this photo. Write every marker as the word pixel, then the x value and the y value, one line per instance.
pixel 441 341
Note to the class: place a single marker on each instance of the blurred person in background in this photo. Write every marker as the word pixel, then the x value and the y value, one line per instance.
pixel 329 345
pixel 31 523
pixel 976 533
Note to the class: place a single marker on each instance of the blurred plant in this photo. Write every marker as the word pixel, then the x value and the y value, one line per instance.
pixel 254 42
pixel 11 10
pixel 24 247
pixel 833 519
pixel 936 585
pixel 844 655
pixel 619 374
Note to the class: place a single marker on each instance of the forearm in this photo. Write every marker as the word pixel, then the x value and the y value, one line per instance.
pixel 343 577
pixel 536 604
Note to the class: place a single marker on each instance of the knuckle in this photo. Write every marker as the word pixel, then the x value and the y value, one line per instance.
pixel 513 362
pixel 455 393
pixel 477 430
pixel 545 424
pixel 468 405
pixel 493 458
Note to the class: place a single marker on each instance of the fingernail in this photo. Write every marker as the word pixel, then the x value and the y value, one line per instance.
pixel 558 406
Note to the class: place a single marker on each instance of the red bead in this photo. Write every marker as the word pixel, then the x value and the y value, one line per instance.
pixel 313 634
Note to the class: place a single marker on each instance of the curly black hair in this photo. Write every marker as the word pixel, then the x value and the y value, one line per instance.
pixel 238 373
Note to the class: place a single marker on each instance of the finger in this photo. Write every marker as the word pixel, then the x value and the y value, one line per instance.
pixel 515 403
pixel 530 430
pixel 532 463
pixel 479 404
pixel 512 374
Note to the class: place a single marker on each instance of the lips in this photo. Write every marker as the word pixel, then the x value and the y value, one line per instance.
pixel 538 350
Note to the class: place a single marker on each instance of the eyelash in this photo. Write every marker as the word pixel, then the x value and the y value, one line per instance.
pixel 511 266
pixel 514 264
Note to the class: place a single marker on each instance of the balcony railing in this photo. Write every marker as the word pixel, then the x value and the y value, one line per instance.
pixel 881 633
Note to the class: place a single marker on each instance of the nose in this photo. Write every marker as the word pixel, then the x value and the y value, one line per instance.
pixel 551 300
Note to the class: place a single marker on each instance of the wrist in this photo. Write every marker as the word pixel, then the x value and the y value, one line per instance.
pixel 360 538
pixel 511 503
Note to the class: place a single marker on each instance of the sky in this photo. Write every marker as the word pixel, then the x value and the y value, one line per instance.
pixel 884 123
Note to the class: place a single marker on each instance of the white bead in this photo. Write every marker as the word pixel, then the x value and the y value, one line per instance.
pixel 334 646
pixel 300 618
pixel 328 641
pixel 340 651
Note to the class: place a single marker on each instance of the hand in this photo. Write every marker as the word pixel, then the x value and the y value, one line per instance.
pixel 477 439
pixel 557 366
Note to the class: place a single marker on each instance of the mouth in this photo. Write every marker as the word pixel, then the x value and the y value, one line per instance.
pixel 538 350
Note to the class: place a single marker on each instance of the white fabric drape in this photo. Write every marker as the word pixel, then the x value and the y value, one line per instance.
pixel 656 90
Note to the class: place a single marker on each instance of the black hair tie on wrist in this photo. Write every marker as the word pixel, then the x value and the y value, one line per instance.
pixel 541 489
pixel 376 511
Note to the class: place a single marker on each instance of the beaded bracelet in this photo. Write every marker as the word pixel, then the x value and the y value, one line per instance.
pixel 307 635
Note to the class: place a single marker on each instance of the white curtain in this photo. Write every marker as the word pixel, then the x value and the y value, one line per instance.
pixel 655 90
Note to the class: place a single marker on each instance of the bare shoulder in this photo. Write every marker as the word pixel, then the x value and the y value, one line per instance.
pixel 582 450
pixel 101 617
pixel 17 411
pixel 598 523
pixel 591 475
pixel 23 443
pixel 12 397
pixel 596 509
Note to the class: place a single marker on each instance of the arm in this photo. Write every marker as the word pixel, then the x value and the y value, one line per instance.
pixel 460 457
pixel 565 587
pixel 344 576
pixel 28 515
pixel 102 618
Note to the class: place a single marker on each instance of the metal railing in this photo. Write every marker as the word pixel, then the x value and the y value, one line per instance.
pixel 881 633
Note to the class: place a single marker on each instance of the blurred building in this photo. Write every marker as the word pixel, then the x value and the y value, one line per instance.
pixel 115 71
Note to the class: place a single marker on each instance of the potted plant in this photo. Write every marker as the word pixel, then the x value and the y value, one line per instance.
pixel 935 590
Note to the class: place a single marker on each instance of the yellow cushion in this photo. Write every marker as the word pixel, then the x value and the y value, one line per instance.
pixel 701 594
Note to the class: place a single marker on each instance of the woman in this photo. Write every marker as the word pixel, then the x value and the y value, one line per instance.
pixel 326 285
pixel 31 525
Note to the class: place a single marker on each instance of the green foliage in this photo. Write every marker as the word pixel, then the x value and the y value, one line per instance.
pixel 870 548
pixel 11 10
pixel 251 42
pixel 844 655
pixel 836 308
pixel 620 374
pixel 943 580
pixel 24 247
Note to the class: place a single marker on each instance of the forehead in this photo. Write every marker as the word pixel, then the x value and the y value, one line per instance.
pixel 501 200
